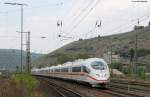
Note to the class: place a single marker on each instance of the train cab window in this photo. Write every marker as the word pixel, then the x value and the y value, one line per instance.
pixel 76 69
pixel 97 65
pixel 85 69
pixel 64 70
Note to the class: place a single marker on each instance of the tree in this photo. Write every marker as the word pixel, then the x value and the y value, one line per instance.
pixel 82 56
pixel 17 69
pixel 64 58
pixel 131 53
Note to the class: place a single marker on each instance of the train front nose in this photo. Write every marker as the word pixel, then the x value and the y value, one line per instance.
pixel 100 79
pixel 100 72
pixel 102 76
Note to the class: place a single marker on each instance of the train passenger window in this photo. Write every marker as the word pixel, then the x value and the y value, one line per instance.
pixel 76 69
pixel 64 70
pixel 52 70
pixel 98 65
pixel 57 70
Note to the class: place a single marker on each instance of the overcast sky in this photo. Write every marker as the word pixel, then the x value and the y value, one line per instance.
pixel 78 18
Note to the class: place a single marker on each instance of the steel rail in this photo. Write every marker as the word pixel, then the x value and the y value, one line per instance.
pixel 109 90
pixel 63 92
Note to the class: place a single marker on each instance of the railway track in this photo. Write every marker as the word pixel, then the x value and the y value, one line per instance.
pixel 115 91
pixel 141 89
pixel 61 91
pixel 118 93
pixel 131 82
pixel 123 93
pixel 130 87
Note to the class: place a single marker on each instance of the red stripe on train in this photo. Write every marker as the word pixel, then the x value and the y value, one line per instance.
pixel 83 74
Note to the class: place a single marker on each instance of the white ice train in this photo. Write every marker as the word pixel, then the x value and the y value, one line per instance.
pixel 94 71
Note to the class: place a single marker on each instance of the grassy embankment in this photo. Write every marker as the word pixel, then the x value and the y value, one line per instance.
pixel 19 84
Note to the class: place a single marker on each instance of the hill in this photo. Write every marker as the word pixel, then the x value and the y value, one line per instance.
pixel 120 44
pixel 10 58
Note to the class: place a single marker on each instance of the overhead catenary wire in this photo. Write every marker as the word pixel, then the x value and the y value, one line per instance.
pixel 120 27
pixel 30 8
pixel 60 28
pixel 81 12
pixel 124 26
pixel 84 16
pixel 117 28
pixel 141 18
pixel 75 17
pixel 69 10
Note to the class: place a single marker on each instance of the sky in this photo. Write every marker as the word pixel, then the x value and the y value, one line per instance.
pixel 78 21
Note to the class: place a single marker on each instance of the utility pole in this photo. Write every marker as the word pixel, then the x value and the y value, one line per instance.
pixel 112 67
pixel 136 36
pixel 21 28
pixel 28 54
pixel 21 51
pixel 28 57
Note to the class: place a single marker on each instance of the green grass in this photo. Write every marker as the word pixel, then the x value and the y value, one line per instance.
pixel 20 84
pixel 28 81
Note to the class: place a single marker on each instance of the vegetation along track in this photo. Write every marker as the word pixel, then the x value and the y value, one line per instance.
pixel 61 91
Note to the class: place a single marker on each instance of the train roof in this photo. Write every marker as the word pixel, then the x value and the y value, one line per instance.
pixel 74 63
pixel 94 59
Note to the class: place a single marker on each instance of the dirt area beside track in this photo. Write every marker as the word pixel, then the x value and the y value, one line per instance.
pixel 46 90
pixel 3 81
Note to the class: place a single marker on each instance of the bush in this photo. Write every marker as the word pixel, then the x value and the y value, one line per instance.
pixel 143 52
pixel 28 81
pixel 127 70
pixel 141 71
pixel 116 66
pixel 17 85
pixel 65 58
pixel 148 68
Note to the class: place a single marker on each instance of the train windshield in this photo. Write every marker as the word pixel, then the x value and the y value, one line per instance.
pixel 98 65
